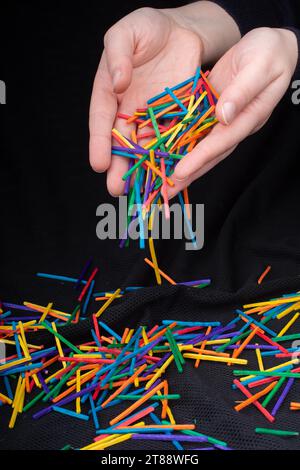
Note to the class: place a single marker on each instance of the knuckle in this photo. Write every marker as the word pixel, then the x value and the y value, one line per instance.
pixel 148 11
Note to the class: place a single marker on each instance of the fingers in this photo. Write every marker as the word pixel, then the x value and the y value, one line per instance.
pixel 103 110
pixel 242 90
pixel 119 49
pixel 119 165
pixel 180 185
pixel 224 137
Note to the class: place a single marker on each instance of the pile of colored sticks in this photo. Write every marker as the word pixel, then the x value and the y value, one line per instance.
pixel 81 380
pixel 174 122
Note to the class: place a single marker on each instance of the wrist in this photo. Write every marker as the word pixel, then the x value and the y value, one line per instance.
pixel 215 27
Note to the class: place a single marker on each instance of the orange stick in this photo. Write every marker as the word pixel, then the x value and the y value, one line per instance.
pixel 125 334
pixel 165 402
pixel 203 346
pixel 165 99
pixel 208 352
pixel 124 385
pixel 184 139
pixel 176 427
pixel 137 404
pixel 214 92
pixel 263 275
pixel 238 351
pixel 164 190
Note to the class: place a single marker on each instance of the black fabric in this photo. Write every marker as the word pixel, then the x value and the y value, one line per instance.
pixel 49 197
pixel 250 14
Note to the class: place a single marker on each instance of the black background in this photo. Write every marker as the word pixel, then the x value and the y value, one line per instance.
pixel 49 195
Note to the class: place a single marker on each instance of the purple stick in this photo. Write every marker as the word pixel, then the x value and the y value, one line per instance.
pixel 169 437
pixel 128 179
pixel 283 395
pixel 18 307
pixel 85 268
pixel 194 283
pixel 251 346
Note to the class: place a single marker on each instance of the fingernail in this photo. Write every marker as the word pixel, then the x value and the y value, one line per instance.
pixel 116 77
pixel 112 194
pixel 228 111
pixel 180 179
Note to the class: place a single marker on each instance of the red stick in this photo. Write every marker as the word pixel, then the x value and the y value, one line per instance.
pixel 256 403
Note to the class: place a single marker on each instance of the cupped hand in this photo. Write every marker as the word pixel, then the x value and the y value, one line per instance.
pixel 251 77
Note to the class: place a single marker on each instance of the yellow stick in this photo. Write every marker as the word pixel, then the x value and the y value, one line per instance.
pixel 154 260
pixel 286 300
pixel 259 359
pixel 78 404
pixel 293 361
pixel 58 344
pixel 160 371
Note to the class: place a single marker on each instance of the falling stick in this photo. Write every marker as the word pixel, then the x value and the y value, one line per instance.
pixel 187 202
pixel 46 311
pixel 283 396
pixel 137 404
pixel 164 189
pixel 107 303
pixel 124 385
pixel 78 388
pixel 58 344
pixel 165 276
pixel 263 275
pixel 87 285
pixel 154 261
pixel 256 403
pixel 255 397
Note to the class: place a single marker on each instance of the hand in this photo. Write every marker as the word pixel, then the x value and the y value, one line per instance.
pixel 252 77
pixel 145 52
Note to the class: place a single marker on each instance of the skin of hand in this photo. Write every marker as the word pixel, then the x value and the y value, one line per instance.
pixel 143 53
pixel 251 78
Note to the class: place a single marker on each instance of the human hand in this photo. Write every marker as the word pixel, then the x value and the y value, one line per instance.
pixel 145 52
pixel 252 77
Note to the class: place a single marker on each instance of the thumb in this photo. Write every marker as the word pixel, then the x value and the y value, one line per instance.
pixel 119 49
pixel 242 90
